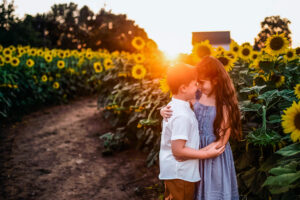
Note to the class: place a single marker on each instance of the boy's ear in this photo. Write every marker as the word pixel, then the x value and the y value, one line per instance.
pixel 181 88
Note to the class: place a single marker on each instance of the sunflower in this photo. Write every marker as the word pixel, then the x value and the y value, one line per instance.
pixel 290 55
pixel 12 48
pixel 276 44
pixel 231 55
pixel 139 125
pixel 7 52
pixel 44 78
pixel 202 49
pixel 138 43
pixel 67 53
pixel 234 47
pixel 297 51
pixel 75 53
pixel 40 52
pixel 98 67
pixel 108 63
pixel 32 52
pixel 7 59
pixel 71 70
pixel 151 44
pixel 278 80
pixel 1 48
pixel 61 54
pixel 163 85
pixel 48 57
pixel 245 52
pixel 55 85
pixel 264 61
pixel 291 121
pixel 297 91
pixel 254 55
pixel 15 61
pixel 220 50
pixel 226 61
pixel 89 55
pixel 60 64
pixel 2 61
pixel 246 44
pixel 30 63
pixel 50 78
pixel 139 58
pixel 253 98
pixel 260 79
pixel 122 74
pixel 138 71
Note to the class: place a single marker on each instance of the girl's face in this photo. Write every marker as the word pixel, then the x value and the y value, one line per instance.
pixel 206 86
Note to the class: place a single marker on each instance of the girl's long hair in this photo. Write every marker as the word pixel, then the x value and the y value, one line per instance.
pixel 212 69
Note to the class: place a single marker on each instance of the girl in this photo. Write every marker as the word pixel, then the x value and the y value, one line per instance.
pixel 218 116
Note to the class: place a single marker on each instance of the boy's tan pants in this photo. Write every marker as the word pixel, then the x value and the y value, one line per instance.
pixel 177 189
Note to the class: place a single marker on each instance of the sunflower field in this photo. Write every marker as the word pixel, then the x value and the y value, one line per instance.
pixel 132 88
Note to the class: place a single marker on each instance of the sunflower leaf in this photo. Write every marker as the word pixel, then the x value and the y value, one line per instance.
pixel 290 150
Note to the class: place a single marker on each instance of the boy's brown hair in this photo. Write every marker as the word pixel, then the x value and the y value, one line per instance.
pixel 180 74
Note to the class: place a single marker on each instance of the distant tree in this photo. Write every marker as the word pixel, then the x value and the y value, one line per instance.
pixel 67 27
pixel 272 25
pixel 7 17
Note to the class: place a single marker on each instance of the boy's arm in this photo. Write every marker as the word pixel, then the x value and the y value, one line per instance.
pixel 181 128
pixel 180 150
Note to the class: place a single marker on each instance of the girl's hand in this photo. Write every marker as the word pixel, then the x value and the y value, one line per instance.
pixel 166 112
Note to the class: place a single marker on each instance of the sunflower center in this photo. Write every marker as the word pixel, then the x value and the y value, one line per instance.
pixel 138 42
pixel 298 51
pixel 224 61
pixel 235 48
pixel 289 54
pixel 254 56
pixel 246 52
pixel 138 71
pixel 276 43
pixel 297 121
pixel 276 78
pixel 15 61
pixel 230 55
pixel 203 51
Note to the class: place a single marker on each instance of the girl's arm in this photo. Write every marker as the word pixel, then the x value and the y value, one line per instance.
pixel 225 133
pixel 166 112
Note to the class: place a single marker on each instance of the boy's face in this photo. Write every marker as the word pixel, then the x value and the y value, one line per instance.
pixel 190 90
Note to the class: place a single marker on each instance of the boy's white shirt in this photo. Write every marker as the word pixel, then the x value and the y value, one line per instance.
pixel 182 124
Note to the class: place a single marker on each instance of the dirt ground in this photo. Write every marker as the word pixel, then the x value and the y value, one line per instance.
pixel 55 153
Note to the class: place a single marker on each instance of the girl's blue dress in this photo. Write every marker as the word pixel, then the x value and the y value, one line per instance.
pixel 218 176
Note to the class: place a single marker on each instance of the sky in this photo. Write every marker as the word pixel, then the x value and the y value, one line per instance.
pixel 170 23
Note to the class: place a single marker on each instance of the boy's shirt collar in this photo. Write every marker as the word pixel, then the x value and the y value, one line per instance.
pixel 182 102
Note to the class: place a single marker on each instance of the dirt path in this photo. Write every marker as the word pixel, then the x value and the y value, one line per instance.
pixel 55 153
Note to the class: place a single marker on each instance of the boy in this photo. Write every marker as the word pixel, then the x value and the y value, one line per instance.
pixel 180 137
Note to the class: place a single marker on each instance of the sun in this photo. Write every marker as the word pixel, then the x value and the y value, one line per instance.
pixel 171 56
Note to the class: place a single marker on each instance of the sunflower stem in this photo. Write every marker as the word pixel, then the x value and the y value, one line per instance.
pixel 264 127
